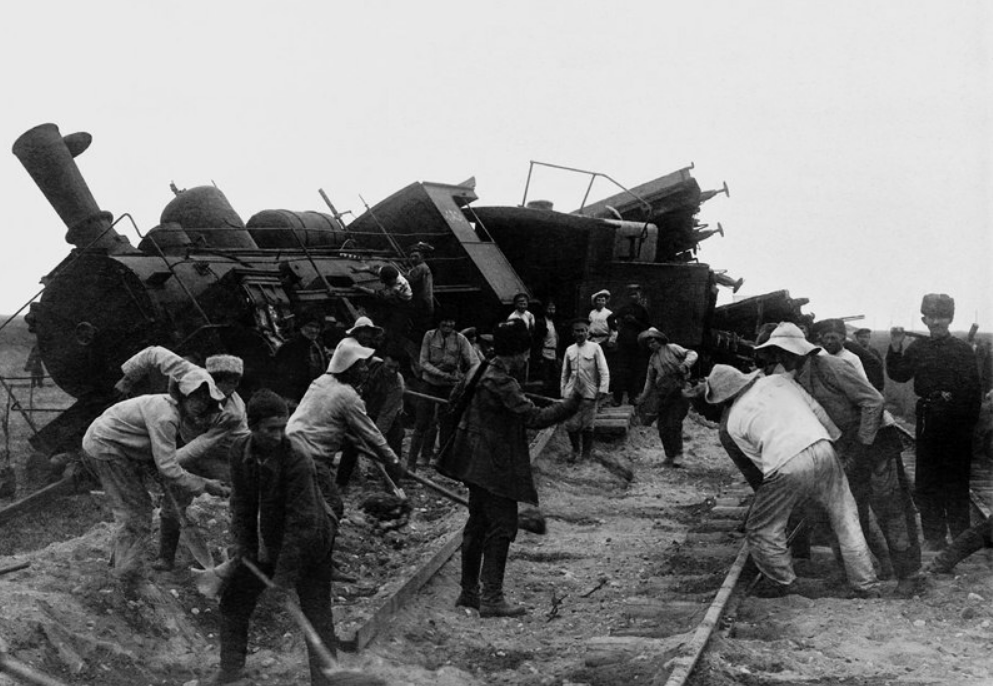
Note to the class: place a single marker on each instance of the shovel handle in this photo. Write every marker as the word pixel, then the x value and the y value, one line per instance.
pixel 397 491
pixel 454 497
pixel 298 616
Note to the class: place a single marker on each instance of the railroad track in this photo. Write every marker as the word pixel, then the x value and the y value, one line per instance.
pixel 669 624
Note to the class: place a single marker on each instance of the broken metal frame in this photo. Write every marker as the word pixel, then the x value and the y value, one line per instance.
pixel 593 177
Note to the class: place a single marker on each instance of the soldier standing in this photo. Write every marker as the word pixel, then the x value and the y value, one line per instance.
pixel 946 382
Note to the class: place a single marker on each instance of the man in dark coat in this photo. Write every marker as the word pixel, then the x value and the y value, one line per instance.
pixel 946 382
pixel 872 359
pixel 279 522
pixel 630 359
pixel 490 455
pixel 301 359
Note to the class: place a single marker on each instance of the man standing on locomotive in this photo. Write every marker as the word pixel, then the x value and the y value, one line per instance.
pixel 490 455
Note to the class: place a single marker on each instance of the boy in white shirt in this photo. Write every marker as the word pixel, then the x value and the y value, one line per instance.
pixel 584 371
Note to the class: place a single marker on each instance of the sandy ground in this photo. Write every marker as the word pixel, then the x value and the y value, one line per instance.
pixel 607 553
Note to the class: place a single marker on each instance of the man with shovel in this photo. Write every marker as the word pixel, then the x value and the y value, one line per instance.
pixel 280 525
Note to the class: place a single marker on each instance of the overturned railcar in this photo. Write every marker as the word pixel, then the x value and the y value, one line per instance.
pixel 204 281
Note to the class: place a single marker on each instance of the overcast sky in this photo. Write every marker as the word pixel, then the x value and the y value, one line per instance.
pixel 855 137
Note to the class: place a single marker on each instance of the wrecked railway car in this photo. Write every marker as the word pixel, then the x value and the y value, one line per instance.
pixel 205 281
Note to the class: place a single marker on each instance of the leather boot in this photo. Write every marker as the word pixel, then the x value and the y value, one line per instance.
pixel 416 441
pixel 964 545
pixel 427 451
pixel 574 442
pixel 234 650
pixel 169 530
pixel 491 602
pixel 472 558
pixel 587 441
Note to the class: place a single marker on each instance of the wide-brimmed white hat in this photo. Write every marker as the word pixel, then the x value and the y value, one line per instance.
pixel 196 378
pixel 364 323
pixel 725 382
pixel 604 292
pixel 790 338
pixel 348 353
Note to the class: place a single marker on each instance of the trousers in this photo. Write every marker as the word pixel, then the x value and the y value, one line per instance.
pixel 815 473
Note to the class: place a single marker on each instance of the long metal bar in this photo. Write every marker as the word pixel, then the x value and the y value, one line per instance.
pixel 389 236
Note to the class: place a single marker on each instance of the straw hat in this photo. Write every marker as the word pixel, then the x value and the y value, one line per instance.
pixel 790 338
pixel 725 382
pixel 652 332
pixel 604 292
pixel 196 378
pixel 364 323
pixel 225 364
pixel 348 353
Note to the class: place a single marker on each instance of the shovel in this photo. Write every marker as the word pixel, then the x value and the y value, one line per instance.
pixel 314 639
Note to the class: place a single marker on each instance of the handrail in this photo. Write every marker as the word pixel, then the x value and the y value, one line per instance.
pixel 592 174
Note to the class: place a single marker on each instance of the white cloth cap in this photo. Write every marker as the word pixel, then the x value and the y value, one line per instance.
pixel 194 379
pixel 725 382
pixel 348 353
pixel 363 323
pixel 790 338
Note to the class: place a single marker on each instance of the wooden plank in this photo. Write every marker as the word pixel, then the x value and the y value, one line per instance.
pixel 395 602
pixel 384 614
pixel 540 441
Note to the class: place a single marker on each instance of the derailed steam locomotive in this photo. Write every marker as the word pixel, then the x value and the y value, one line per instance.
pixel 204 281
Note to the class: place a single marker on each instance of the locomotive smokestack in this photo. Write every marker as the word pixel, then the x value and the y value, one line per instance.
pixel 48 157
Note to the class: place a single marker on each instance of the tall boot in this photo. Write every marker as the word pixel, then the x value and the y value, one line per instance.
pixel 416 441
pixel 430 439
pixel 964 545
pixel 472 558
pixel 492 602
pixel 169 530
pixel 587 440
pixel 574 441
pixel 234 649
